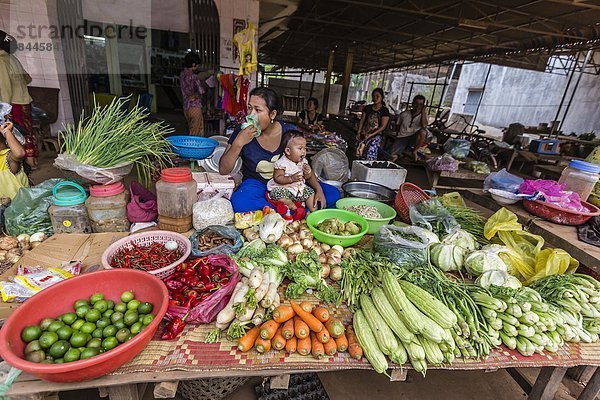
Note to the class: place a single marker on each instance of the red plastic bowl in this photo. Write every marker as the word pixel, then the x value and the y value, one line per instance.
pixel 559 215
pixel 59 299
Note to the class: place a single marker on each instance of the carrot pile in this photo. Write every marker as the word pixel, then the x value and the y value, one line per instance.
pixel 304 329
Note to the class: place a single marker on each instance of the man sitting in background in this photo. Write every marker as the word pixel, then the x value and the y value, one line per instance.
pixel 412 129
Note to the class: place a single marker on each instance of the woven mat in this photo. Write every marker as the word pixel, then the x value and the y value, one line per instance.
pixel 190 353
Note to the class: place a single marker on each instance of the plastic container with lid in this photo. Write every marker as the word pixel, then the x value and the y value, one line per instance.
pixel 67 212
pixel 107 208
pixel 580 177
pixel 176 195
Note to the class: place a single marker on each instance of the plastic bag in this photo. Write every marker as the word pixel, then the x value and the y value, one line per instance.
pixel 252 120
pixel 28 211
pixel 207 310
pixel 525 257
pixel 554 193
pixel 432 215
pixel 330 164
pixel 457 148
pixel 143 206
pixel 478 167
pixel 443 163
pixel 405 246
pixel 502 180
pixel 224 231
pixel 102 176
pixel 216 211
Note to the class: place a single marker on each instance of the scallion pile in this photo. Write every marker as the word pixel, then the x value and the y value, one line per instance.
pixel 112 136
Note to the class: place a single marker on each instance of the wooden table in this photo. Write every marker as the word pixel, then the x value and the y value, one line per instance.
pixel 462 174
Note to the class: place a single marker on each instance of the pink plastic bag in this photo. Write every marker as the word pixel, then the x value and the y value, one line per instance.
pixel 554 193
pixel 207 311
pixel 143 206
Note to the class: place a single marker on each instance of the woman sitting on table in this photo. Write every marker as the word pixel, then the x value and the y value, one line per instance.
pixel 259 154
pixel 310 117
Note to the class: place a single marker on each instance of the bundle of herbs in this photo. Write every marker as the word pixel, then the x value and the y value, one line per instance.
pixel 114 136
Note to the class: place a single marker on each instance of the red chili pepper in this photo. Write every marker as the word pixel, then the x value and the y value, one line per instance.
pixel 204 270
pixel 189 272
pixel 179 297
pixel 174 286
pixel 175 327
pixel 192 295
pixel 174 302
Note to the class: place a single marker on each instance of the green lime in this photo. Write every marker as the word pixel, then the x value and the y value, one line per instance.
pixel 108 313
pixel 120 307
pixel 89 352
pixel 78 324
pixel 110 343
pixel 81 349
pixel 45 323
pixel 110 304
pixel 30 333
pixel 136 328
pixel 80 303
pixel 116 316
pixel 56 325
pixel 120 324
pixel 79 339
pixel 95 343
pixel 64 332
pixel 82 311
pixel 59 361
pixel 48 339
pixel 130 318
pixel 103 322
pixel 88 327
pixel 148 319
pixel 97 333
pixel 145 308
pixel 47 361
pixel 133 305
pixel 101 305
pixel 127 296
pixel 93 315
pixel 36 356
pixel 69 318
pixel 72 354
pixel 122 335
pixel 96 297
pixel 32 346
pixel 59 348
pixel 141 317
pixel 110 330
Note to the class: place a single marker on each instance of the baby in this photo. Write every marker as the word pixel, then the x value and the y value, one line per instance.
pixel 291 172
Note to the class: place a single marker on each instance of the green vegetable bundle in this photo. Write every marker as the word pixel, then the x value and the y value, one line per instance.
pixel 114 136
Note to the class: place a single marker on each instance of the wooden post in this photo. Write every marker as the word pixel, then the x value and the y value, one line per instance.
pixel 547 383
pixel 328 81
pixel 346 79
pixel 592 388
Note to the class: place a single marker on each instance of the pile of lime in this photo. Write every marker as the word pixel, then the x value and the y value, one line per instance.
pixel 97 325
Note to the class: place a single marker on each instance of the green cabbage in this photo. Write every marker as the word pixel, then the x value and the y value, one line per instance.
pixel 496 277
pixel 447 256
pixel 461 238
pixel 481 261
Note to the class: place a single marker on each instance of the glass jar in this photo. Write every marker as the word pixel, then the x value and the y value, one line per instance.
pixel 580 177
pixel 176 195
pixel 107 208
pixel 67 212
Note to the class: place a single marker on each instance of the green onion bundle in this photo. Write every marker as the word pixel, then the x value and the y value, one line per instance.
pixel 112 136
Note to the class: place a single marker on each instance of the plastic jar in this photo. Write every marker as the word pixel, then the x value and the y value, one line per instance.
pixel 580 177
pixel 67 212
pixel 176 195
pixel 107 208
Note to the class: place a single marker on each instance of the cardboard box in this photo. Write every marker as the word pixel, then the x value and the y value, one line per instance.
pixel 210 184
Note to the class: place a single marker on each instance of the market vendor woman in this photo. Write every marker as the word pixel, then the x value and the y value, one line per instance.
pixel 260 153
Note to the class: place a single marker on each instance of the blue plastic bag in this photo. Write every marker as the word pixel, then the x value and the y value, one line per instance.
pixel 503 180
pixel 225 231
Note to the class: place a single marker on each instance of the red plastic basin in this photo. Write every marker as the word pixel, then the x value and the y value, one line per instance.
pixel 59 299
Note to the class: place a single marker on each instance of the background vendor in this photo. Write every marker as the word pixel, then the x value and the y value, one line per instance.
pixel 310 117
pixel 374 120
pixel 412 129
pixel 259 155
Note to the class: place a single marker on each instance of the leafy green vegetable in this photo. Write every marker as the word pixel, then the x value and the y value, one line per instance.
pixel 305 273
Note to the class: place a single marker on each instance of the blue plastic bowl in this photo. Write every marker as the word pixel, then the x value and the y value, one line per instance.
pixel 192 147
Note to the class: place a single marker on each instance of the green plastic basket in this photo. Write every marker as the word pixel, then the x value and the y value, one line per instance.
pixel 387 212
pixel 316 217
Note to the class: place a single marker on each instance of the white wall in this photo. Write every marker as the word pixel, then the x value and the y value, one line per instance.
pixel 228 10
pixel 529 97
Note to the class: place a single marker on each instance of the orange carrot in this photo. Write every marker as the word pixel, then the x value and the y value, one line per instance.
pixel 246 342
pixel 283 313
pixel 261 345
pixel 288 329
pixel 330 347
pixel 291 344
pixel 313 323
pixel 268 329
pixel 304 346
pixel 321 313
pixel 307 306
pixel 278 341
pixel 300 328
pixel 353 347
pixel 335 327
pixel 323 336
pixel 342 343
pixel 318 351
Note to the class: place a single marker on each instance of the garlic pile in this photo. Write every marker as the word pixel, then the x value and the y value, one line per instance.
pixel 12 248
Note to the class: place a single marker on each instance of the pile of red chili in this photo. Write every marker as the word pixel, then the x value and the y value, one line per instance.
pixel 147 258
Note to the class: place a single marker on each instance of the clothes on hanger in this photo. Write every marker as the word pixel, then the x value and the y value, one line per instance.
pixel 244 40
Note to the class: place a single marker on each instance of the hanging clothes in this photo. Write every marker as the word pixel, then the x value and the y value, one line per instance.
pixel 235 95
pixel 244 40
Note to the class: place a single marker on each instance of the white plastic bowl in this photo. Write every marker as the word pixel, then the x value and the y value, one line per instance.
pixel 503 197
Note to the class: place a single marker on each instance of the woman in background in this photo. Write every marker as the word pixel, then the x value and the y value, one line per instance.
pixel 192 91
pixel 375 119
pixel 310 117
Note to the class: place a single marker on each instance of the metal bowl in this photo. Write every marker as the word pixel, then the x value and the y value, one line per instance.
pixel 369 190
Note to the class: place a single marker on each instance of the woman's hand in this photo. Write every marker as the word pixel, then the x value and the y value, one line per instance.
pixel 6 128
pixel 245 136
pixel 319 201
